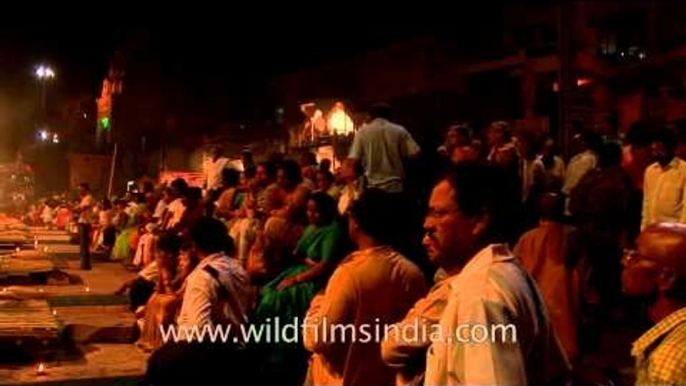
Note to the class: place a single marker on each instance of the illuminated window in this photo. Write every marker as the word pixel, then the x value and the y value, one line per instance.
pixel 340 122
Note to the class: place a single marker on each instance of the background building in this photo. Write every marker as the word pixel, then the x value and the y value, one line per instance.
pixel 540 67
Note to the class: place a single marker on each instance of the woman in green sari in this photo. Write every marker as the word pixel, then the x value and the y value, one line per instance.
pixel 126 226
pixel 288 296
pixel 316 255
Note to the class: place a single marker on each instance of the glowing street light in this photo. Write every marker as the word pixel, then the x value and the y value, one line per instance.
pixel 45 72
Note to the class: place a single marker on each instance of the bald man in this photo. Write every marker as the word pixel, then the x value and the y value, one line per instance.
pixel 656 272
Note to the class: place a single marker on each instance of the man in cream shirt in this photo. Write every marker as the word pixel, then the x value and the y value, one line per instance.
pixel 513 342
pixel 664 185
pixel 382 148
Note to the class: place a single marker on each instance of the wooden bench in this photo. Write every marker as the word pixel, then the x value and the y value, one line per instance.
pixel 28 328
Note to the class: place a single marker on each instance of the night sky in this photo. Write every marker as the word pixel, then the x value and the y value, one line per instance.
pixel 234 54
pixel 217 58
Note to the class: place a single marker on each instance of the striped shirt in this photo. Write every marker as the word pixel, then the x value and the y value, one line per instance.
pixel 493 290
pixel 221 300
pixel 660 353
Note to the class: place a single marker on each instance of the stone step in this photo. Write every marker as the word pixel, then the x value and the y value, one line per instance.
pixel 97 324
pixel 94 364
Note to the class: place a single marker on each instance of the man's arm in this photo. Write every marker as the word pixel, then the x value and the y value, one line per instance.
pixel 356 149
pixel 333 308
pixel 410 148
pixel 408 340
pixel 85 204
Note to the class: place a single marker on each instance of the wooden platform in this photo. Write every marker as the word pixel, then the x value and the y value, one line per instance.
pixel 52 238
pixel 15 237
pixel 98 324
pixel 33 269
pixel 62 249
pixel 86 312
pixel 27 319
pixel 46 231
pixel 28 329
pixel 24 267
pixel 58 260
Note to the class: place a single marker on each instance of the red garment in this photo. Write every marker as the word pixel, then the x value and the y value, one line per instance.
pixel 63 217
pixel 543 252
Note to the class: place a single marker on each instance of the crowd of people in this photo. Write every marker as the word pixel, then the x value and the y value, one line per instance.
pixel 512 235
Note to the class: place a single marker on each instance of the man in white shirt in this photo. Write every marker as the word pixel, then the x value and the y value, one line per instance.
pixel 218 290
pixel 382 148
pixel 580 164
pixel 217 295
pixel 664 184
pixel 163 205
pixel 213 169
pixel 487 288
pixel 213 177
pixel 85 211
pixel 141 288
pixel 176 207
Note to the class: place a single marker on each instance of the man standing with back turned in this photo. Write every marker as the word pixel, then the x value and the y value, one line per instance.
pixel 382 147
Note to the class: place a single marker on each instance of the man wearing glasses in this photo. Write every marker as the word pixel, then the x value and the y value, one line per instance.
pixel 486 286
pixel 656 273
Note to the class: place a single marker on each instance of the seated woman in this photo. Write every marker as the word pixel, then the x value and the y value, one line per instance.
pixel 284 227
pixel 354 183
pixel 126 228
pixel 288 296
pixel 227 203
pixel 105 230
pixel 177 262
pixel 145 250
pixel 194 210
pixel 245 226
pixel 326 183
pixel 63 217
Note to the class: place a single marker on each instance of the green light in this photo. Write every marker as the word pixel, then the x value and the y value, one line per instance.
pixel 105 123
